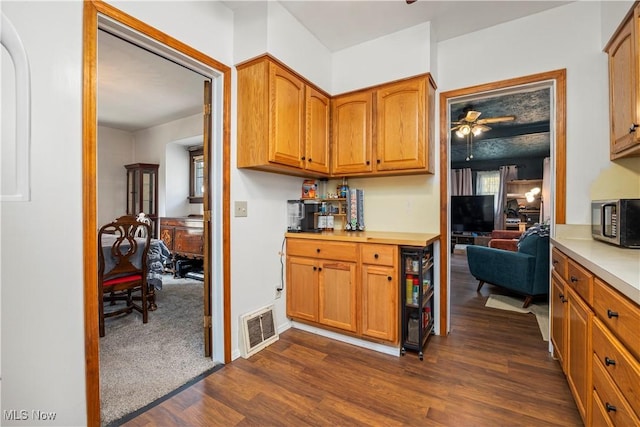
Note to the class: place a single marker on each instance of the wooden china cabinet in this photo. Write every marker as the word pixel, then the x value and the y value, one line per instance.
pixel 142 191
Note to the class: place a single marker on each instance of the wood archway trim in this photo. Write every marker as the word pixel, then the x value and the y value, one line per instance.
pixel 92 9
pixel 559 77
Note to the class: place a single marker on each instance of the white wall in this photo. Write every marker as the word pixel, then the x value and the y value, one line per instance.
pixel 547 41
pixel 176 182
pixel 115 149
pixel 396 56
pixel 42 264
pixel 153 145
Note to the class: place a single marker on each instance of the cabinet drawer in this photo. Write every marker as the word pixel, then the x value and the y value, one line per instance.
pixel 599 415
pixel 321 249
pixel 620 315
pixel 623 369
pixel 379 254
pixel 616 406
pixel 581 280
pixel 559 263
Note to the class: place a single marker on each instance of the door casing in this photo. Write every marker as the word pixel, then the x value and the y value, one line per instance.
pixel 92 11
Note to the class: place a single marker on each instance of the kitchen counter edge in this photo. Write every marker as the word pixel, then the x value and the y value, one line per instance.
pixel 619 267
pixel 380 237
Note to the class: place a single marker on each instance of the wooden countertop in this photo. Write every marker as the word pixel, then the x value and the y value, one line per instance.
pixel 381 237
pixel 619 267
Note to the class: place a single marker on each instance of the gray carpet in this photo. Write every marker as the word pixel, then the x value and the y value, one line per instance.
pixel 140 363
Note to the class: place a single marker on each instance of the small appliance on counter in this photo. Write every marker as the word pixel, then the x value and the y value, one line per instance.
pixel 616 221
pixel 301 215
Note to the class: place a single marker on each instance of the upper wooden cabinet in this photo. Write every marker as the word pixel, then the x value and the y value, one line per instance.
pixel 401 114
pixel 352 133
pixel 623 54
pixel 284 125
pixel 404 137
pixel 316 152
pixel 283 122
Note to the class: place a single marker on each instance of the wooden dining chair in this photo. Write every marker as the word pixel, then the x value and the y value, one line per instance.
pixel 122 267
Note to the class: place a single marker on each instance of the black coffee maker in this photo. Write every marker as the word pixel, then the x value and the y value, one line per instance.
pixel 301 215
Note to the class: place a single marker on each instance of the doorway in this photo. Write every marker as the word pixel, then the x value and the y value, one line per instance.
pixel 98 15
pixel 556 81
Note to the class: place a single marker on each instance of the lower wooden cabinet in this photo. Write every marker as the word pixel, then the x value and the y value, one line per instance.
pixel 337 295
pixel 596 336
pixel 302 288
pixel 351 287
pixel 558 319
pixel 578 364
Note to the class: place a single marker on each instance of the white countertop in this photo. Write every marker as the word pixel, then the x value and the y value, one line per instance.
pixel 619 267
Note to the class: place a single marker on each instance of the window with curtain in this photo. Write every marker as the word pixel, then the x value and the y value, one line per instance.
pixel 488 182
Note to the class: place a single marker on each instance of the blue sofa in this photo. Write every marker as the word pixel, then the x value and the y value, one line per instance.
pixel 525 272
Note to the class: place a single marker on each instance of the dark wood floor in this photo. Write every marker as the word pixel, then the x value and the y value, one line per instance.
pixel 493 369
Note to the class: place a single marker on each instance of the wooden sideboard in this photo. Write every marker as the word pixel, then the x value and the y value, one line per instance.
pixel 184 236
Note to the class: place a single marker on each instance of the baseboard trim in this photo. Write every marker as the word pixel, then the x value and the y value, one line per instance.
pixel 381 348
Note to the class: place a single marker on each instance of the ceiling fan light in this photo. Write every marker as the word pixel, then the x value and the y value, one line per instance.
pixel 535 191
pixel 465 130
pixel 459 134
pixel 476 130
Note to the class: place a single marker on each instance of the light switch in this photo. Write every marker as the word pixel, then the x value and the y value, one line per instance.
pixel 240 208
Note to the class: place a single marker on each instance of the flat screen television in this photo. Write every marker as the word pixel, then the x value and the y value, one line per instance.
pixel 472 214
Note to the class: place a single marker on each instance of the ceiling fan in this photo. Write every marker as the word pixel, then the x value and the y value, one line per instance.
pixel 468 126
pixel 468 123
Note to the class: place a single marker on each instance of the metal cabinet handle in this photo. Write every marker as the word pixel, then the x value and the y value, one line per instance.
pixel 376 256
pixel 389 278
pixel 315 268
pixel 610 407
pixel 319 268
pixel 310 160
pixel 609 362
pixel 611 314
pixel 574 279
pixel 318 250
pixel 633 128
pixel 302 158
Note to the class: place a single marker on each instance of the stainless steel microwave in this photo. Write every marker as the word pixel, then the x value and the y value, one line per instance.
pixel 616 221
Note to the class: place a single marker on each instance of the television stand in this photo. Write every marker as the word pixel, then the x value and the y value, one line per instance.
pixel 478 239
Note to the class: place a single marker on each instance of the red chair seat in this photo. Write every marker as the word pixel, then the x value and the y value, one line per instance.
pixel 118 280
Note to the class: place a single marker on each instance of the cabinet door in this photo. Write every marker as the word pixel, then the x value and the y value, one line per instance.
pixel 558 316
pixel 380 302
pixel 352 133
pixel 286 131
pixel 316 152
pixel 622 89
pixel 401 125
pixel 337 293
pixel 302 288
pixel 579 352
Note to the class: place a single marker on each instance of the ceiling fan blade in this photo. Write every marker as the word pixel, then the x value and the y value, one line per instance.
pixel 496 119
pixel 482 128
pixel 455 128
pixel 472 116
